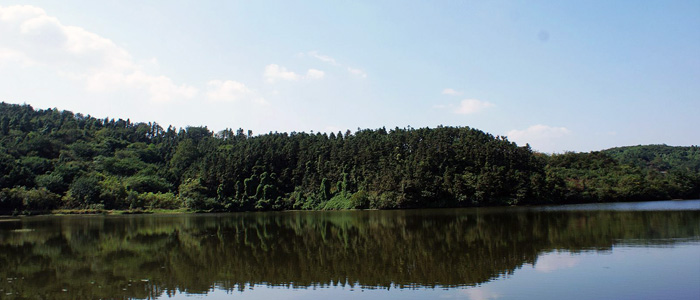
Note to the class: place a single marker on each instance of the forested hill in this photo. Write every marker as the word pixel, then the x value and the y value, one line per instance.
pixel 53 159
pixel 659 157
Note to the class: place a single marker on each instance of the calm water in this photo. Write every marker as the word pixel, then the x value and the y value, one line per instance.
pixel 647 250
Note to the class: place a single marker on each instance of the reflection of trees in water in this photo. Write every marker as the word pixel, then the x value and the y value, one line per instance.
pixel 146 256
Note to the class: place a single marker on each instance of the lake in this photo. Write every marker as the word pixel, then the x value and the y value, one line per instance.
pixel 644 250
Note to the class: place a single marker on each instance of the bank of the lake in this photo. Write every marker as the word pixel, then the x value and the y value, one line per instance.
pixel 115 211
pixel 148 211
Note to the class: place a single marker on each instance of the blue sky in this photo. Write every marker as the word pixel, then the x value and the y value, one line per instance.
pixel 560 75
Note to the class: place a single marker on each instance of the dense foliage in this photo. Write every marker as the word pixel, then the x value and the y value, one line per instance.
pixel 626 174
pixel 56 159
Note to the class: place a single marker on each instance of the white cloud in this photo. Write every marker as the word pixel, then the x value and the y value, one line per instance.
pixel 161 88
pixel 451 92
pixel 357 72
pixel 275 72
pixel 330 60
pixel 231 91
pixel 315 74
pixel 555 261
pixel 471 106
pixel 7 55
pixel 541 137
pixel 323 58
pixel 31 37
pixel 481 293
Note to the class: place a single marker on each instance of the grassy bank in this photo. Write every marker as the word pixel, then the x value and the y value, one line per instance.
pixel 112 211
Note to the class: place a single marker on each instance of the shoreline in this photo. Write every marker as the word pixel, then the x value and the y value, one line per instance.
pixel 159 211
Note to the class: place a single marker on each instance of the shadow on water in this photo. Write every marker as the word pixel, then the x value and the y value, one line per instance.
pixel 146 256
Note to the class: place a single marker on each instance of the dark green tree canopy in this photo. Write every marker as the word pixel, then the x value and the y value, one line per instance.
pixel 77 161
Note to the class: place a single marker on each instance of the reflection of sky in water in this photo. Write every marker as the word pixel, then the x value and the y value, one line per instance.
pixel 550 262
pixel 626 206
pixel 623 273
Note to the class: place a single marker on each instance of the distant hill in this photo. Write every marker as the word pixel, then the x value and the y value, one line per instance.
pixel 659 157
pixel 52 159
pixel 633 173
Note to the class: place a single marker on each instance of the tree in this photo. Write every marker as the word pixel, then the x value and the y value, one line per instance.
pixel 193 195
pixel 325 190
pixel 85 191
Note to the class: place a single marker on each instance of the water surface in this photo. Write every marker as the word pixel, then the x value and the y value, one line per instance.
pixel 647 250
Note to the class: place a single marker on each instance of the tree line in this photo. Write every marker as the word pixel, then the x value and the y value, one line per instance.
pixel 51 159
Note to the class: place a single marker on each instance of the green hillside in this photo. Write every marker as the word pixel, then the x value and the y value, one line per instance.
pixel 52 159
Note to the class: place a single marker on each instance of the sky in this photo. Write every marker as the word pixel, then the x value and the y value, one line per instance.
pixel 560 75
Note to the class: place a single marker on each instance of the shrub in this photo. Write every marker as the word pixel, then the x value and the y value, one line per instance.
pixel 9 202
pixel 147 183
pixel 52 182
pixel 160 200
pixel 360 200
pixel 193 195
pixel 20 199
pixel 385 200
pixel 114 193
pixel 85 190
pixel 41 199
pixel 340 201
